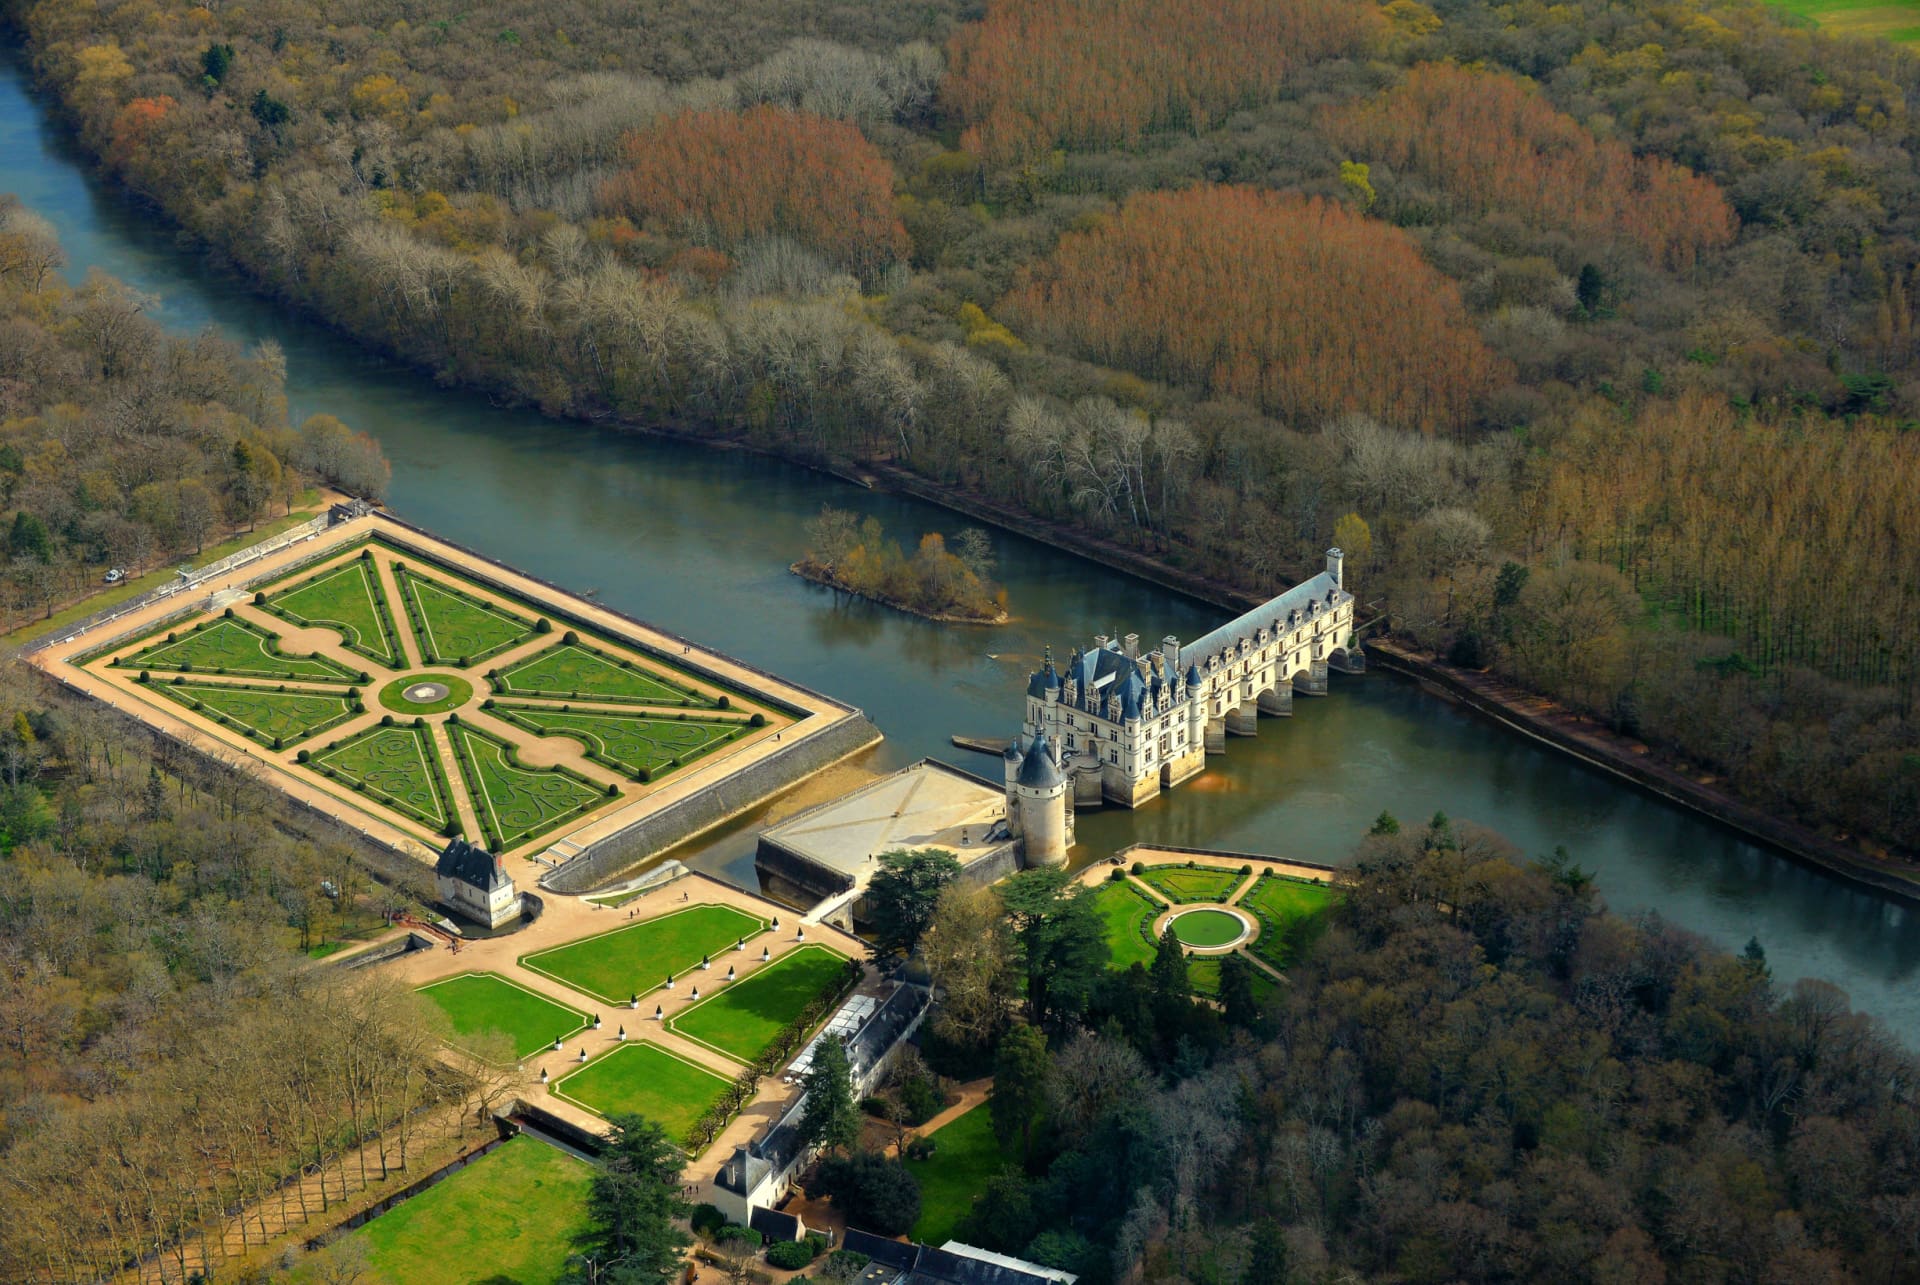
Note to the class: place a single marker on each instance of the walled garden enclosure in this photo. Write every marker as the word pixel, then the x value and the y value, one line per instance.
pixel 399 683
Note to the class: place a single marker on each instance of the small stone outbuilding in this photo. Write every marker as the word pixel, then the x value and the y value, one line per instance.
pixel 474 884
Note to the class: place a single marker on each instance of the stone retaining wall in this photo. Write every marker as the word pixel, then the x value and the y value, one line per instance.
pixel 707 808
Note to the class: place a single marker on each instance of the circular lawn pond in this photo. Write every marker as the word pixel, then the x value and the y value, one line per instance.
pixel 426 694
pixel 1206 928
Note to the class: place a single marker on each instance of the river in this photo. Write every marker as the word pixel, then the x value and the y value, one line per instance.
pixel 699 540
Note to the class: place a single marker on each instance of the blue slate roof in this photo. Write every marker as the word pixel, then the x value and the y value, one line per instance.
pixel 1265 616
pixel 1039 771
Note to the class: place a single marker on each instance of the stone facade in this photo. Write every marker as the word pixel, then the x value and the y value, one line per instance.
pixel 1138 723
pixel 472 883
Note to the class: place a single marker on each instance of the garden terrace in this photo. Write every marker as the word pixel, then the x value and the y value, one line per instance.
pixel 745 1019
pixel 396 649
pixel 642 1078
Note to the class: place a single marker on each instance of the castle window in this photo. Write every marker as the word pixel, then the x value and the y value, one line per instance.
pixel 1113 756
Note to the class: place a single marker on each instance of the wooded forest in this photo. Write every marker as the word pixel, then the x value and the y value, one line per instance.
pixel 1476 1074
pixel 165 1058
pixel 124 446
pixel 1591 326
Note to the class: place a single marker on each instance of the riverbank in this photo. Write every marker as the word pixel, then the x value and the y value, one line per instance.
pixel 814 575
pixel 1542 720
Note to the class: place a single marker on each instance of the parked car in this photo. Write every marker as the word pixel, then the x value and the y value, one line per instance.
pixel 116 575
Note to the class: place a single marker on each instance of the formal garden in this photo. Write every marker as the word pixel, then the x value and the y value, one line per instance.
pixel 478 1004
pixel 516 803
pixel 279 716
pixel 745 1019
pixel 635 959
pixel 345 599
pixel 641 1078
pixel 636 745
pixel 515 1214
pixel 229 646
pixel 1283 914
pixel 390 637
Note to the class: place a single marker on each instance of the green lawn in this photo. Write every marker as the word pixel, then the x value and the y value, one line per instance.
pixel 629 741
pixel 395 766
pixel 569 669
pixel 1202 883
pixel 517 803
pixel 479 1002
pixel 235 647
pixel 394 695
pixel 290 716
pixel 1128 915
pixel 1206 928
pixel 966 1154
pixel 616 965
pixel 741 1020
pixel 1292 913
pixel 348 600
pixel 454 624
pixel 511 1216
pixel 647 1080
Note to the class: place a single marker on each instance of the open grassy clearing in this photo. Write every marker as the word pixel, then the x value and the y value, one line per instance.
pixel 572 670
pixel 633 743
pixel 1128 915
pixel 647 1080
pixel 476 1003
pixel 966 1155
pixel 348 600
pixel 1182 884
pixel 1292 914
pixel 231 646
pixel 1898 22
pixel 516 803
pixel 513 1215
pixel 633 960
pixel 271 715
pixel 1203 974
pixel 741 1020
pixel 454 623
pixel 395 766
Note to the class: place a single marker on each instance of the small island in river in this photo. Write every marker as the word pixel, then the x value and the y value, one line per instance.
pixel 856 557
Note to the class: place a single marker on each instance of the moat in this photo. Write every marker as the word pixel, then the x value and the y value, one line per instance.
pixel 699 541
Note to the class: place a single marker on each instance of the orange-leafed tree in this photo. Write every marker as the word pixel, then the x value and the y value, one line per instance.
pixel 1491 141
pixel 1297 304
pixel 720 178
pixel 134 127
pixel 1034 74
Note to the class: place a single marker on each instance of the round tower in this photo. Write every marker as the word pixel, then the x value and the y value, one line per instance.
pixel 1013 758
pixel 1046 815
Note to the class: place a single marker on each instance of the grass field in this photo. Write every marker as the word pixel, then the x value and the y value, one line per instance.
pixel 966 1154
pixel 633 960
pixel 744 1018
pixel 1899 22
pixel 647 1080
pixel 517 803
pixel 290 717
pixel 397 767
pixel 1291 914
pixel 454 624
pixel 511 1216
pixel 1202 883
pixel 1206 928
pixel 1127 914
pixel 235 647
pixel 480 1002
pixel 629 741
pixel 1203 974
pixel 569 669
pixel 347 599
